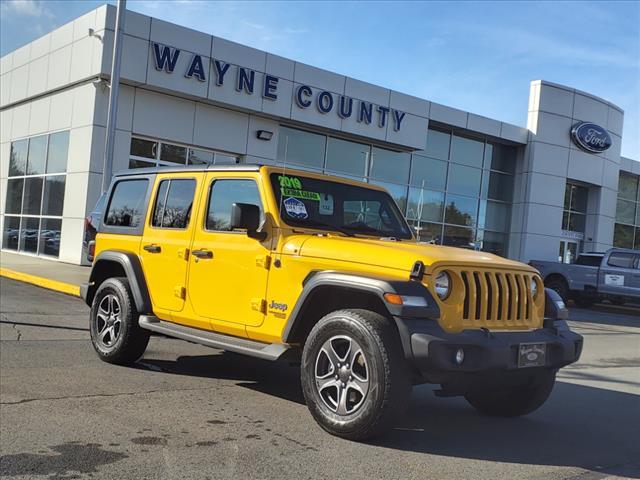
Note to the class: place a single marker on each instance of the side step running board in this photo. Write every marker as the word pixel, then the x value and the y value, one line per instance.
pixel 266 351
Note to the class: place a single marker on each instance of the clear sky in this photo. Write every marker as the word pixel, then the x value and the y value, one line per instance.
pixel 477 56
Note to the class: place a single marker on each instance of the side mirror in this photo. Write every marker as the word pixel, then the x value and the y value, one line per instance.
pixel 246 216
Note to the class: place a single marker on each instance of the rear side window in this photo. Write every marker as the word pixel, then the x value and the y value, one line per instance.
pixel 173 203
pixel 127 204
pixel 621 260
pixel 591 260
pixel 224 193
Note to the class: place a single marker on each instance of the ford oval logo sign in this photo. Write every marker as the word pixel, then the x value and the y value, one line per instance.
pixel 591 137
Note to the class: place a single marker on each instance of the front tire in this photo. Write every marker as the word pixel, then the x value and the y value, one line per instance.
pixel 116 336
pixel 515 401
pixel 559 285
pixel 354 376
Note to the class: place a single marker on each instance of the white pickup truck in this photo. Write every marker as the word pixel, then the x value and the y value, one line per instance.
pixel 613 275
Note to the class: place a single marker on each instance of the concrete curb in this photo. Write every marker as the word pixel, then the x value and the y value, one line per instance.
pixel 47 283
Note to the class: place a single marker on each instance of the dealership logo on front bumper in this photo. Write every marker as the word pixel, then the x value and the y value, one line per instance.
pixel 591 137
pixel 166 58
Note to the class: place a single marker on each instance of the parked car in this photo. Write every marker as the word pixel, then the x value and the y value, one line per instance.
pixel 91 224
pixel 325 271
pixel 613 275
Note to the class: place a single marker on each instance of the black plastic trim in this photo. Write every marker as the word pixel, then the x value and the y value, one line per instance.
pixel 133 270
pixel 374 285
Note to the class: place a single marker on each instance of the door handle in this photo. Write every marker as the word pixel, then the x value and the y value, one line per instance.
pixel 152 248
pixel 202 253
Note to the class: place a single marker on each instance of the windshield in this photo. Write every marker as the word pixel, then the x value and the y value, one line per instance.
pixel 334 206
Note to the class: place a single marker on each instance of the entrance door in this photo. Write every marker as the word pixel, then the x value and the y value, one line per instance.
pixel 166 238
pixel 568 251
pixel 229 270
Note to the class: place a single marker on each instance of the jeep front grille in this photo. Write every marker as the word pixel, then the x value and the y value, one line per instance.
pixel 497 296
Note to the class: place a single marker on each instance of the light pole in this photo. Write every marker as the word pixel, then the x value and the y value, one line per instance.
pixel 112 112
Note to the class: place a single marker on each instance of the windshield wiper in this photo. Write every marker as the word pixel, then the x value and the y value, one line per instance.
pixel 364 228
pixel 315 224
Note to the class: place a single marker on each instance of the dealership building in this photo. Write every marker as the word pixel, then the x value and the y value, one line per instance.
pixel 548 191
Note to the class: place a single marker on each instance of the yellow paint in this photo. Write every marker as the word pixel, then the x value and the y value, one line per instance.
pixel 47 283
pixel 232 291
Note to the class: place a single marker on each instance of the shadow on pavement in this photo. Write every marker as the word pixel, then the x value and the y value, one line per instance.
pixel 579 426
pixel 607 315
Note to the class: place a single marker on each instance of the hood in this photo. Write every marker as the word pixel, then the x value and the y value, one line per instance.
pixel 393 254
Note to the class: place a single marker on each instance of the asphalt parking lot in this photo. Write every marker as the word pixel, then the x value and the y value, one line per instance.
pixel 187 411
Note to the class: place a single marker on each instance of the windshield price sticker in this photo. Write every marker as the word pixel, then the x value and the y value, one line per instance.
pixel 326 204
pixel 295 208
pixel 290 192
pixel 289 182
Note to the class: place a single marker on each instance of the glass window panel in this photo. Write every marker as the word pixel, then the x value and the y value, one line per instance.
pixel 127 203
pixel 29 234
pixel 143 148
pixel 50 229
pixel 425 205
pixel 500 157
pixel 133 163
pixel 37 155
pixel 623 236
pixel 347 157
pixel 461 210
pixel 301 148
pixel 458 237
pixel 53 200
pixel 621 259
pixel 390 166
pixel 173 153
pixel 465 180
pixel 176 210
pixel 637 214
pixel 500 186
pixel 18 158
pixel 636 243
pixel 58 152
pixel 492 242
pixel 438 144
pixel 625 211
pixel 224 193
pixel 10 233
pixel 32 195
pixel 577 222
pixel 494 216
pixel 200 157
pixel 467 151
pixel 628 186
pixel 565 220
pixel 579 198
pixel 14 195
pixel 567 196
pixel 428 172
pixel 398 192
pixel 427 232
pixel 222 159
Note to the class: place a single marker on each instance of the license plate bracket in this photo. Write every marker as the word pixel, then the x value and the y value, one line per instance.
pixel 532 355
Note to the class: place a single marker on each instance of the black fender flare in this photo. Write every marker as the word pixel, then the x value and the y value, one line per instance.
pixel 377 286
pixel 132 267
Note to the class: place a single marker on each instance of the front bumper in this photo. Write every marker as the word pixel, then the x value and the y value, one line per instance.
pixel 431 350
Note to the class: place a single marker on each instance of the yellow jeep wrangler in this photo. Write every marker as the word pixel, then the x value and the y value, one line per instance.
pixel 285 264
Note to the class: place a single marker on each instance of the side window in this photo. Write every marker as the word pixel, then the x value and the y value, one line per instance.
pixel 126 207
pixel 173 203
pixel 223 194
pixel 621 260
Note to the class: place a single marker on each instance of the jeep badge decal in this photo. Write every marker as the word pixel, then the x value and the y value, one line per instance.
pixel 295 208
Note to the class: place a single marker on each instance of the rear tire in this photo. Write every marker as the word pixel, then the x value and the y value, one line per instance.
pixel 516 401
pixel 115 333
pixel 349 352
pixel 559 285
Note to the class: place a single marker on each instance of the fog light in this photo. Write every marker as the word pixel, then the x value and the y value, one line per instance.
pixel 459 356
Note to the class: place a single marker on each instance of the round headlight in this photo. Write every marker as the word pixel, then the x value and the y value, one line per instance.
pixel 443 285
pixel 534 287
